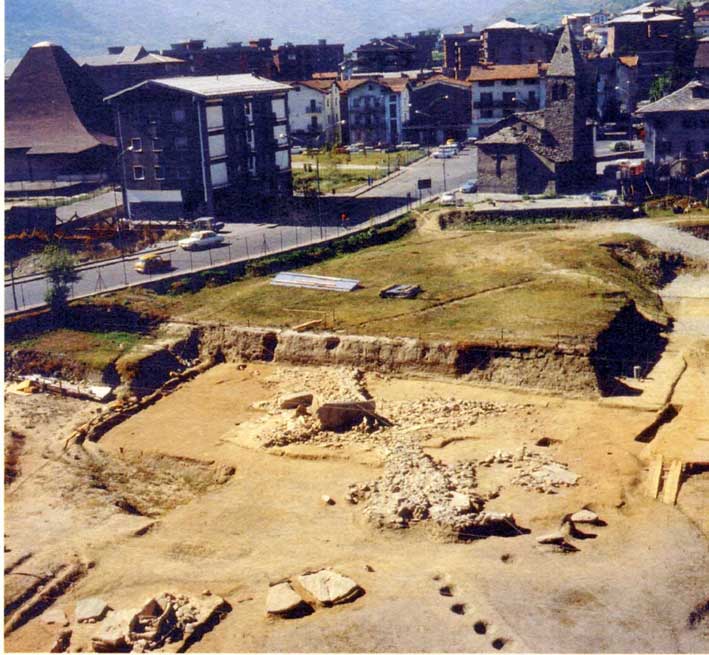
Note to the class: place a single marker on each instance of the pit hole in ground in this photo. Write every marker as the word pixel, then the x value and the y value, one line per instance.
pixel 458 608
pixel 446 590
pixel 499 643
pixel 331 343
pixel 270 343
pixel 480 627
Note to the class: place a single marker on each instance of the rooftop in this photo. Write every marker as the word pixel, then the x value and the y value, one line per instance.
pixel 507 24
pixel 506 72
pixel 691 97
pixel 211 86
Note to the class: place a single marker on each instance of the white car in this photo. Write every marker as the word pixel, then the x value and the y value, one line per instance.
pixel 442 154
pixel 297 150
pixel 447 200
pixel 201 240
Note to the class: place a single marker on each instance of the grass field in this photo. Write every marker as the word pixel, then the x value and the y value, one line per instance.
pixel 373 164
pixel 95 349
pixel 531 286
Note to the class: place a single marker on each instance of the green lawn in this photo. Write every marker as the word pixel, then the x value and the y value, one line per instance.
pixel 94 349
pixel 531 286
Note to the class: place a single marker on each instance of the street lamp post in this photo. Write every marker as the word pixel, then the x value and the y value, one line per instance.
pixel 121 245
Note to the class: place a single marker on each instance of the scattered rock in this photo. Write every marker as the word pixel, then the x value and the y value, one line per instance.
pixel 61 643
pixel 328 587
pixel 91 609
pixel 295 400
pixel 461 501
pixel 113 635
pixel 55 616
pixel 224 473
pixel 327 500
pixel 282 600
pixel 552 538
pixel 585 516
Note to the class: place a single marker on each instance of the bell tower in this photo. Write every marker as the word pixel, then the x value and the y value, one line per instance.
pixel 568 100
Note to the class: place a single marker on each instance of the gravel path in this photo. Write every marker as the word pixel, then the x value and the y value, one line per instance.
pixel 662 236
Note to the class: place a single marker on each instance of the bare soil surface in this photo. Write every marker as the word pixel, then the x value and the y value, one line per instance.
pixel 151 508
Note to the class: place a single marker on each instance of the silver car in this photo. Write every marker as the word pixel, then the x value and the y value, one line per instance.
pixel 201 240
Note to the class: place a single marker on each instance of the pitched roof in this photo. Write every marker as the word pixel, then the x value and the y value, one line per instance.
pixel 441 79
pixel 122 60
pixel 52 106
pixel 323 86
pixel 210 86
pixel 567 60
pixel 631 61
pixel 691 97
pixel 396 84
pixel 506 24
pixel 505 72
pixel 648 6
pixel 348 85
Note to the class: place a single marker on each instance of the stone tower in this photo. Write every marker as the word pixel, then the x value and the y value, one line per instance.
pixel 568 98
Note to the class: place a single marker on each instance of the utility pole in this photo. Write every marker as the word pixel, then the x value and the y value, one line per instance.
pixel 445 188
pixel 317 172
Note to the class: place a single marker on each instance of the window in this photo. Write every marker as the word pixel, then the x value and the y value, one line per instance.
pixel 249 110
pixel 487 83
pixel 314 122
pixel 157 145
pixel 509 82
pixel 282 162
pixel 278 107
pixel 486 99
pixel 179 115
pixel 217 145
pixel 530 81
pixel 215 117
pixel 159 173
pixel 486 113
pixel 136 145
pixel 138 173
pixel 220 177
pixel 564 92
pixel 509 98
pixel 181 143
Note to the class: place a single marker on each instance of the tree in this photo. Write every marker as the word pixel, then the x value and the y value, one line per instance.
pixel 60 267
pixel 660 87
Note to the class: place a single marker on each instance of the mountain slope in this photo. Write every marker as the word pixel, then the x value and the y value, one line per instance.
pixel 88 26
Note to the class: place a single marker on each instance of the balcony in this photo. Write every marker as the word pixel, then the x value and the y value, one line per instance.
pixel 517 105
pixel 313 109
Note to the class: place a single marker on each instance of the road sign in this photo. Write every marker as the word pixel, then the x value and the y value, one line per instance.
pixel 425 183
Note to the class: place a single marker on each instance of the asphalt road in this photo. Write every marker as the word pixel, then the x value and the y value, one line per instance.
pixel 251 240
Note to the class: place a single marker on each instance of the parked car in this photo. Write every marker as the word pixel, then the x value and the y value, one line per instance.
pixel 297 150
pixel 442 154
pixel 471 186
pixel 208 223
pixel 447 200
pixel 200 240
pixel 595 195
pixel 152 263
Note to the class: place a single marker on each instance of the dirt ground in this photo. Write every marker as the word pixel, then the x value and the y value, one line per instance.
pixel 629 588
pixel 215 488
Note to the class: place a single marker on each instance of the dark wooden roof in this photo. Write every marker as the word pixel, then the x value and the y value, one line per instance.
pixel 53 107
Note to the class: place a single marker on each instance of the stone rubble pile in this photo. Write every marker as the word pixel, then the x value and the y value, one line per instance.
pixel 537 471
pixel 165 619
pixel 441 414
pixel 415 487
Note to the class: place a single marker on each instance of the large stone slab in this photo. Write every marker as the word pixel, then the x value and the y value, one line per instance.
pixel 328 587
pixel 343 415
pixel 281 599
pixel 295 400
pixel 90 609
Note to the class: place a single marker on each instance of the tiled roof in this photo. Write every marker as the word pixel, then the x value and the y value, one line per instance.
pixel 442 79
pixel 631 61
pixel 396 84
pixel 52 106
pixel 505 72
pixel 209 86
pixel 323 86
pixel 691 97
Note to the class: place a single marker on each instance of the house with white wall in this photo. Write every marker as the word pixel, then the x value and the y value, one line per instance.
pixel 503 89
pixel 313 112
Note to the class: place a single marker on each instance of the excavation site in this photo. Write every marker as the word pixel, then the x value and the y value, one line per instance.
pixel 513 457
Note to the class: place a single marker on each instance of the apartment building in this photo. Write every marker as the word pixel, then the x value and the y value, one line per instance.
pixel 313 112
pixel 501 90
pixel 507 42
pixel 202 145
pixel 301 62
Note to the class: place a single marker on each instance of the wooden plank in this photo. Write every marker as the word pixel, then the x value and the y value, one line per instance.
pixel 654 477
pixel 671 489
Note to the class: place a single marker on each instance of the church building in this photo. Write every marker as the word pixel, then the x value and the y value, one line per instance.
pixel 550 150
